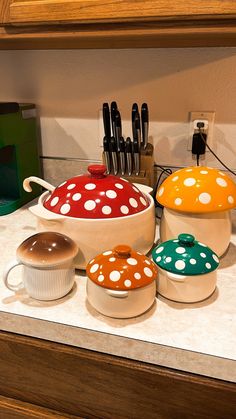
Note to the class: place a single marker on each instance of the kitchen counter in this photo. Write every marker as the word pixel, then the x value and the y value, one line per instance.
pixel 198 338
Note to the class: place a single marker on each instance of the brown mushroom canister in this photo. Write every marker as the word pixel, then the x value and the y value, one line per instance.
pixel 197 200
pixel 121 282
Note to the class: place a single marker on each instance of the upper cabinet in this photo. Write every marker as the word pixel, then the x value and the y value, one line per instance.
pixel 116 23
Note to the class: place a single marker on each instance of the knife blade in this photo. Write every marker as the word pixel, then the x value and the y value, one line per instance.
pixel 113 149
pixel 137 128
pixel 106 149
pixel 128 151
pixel 136 150
pixel 118 129
pixel 122 155
pixel 145 124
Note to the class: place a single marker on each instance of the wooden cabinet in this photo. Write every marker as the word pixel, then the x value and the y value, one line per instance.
pixel 42 379
pixel 116 23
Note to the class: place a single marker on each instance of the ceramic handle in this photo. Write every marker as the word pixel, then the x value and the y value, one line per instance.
pixel 6 272
pixel 117 294
pixel 43 183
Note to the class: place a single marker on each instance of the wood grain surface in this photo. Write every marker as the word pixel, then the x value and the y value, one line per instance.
pixel 94 385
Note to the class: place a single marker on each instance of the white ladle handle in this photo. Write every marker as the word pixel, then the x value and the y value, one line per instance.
pixel 43 183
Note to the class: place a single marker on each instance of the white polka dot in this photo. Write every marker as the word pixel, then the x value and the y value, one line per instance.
pixel 178 201
pixel 111 194
pixel 112 259
pixel 54 201
pixel 193 261
pixel 63 183
pixel 143 201
pixel 175 241
pixel 168 259
pixel 90 205
pixel 106 210
pixel 203 255
pixel 137 275
pixel 127 283
pixel 201 244
pixel 71 186
pixel 49 197
pixel 188 170
pixel 133 202
pixel 230 199
pixel 65 209
pixel 175 178
pixel 221 182
pixel 208 265
pixel 147 261
pixel 158 258
pixel 76 196
pixel 91 261
pixel 119 186
pixel 222 174
pixel 97 201
pixel 180 250
pixel 68 195
pixel 94 268
pixel 132 261
pixel 124 209
pixel 180 264
pixel 148 272
pixel 159 249
pixel 114 276
pixel 90 186
pixel 204 198
pixel 203 172
pixel 161 190
pixel 124 179
pixel 135 189
pixel 101 278
pixel 109 252
pixel 216 259
pixel 190 181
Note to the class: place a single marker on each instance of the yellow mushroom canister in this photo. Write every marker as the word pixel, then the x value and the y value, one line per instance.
pixel 197 200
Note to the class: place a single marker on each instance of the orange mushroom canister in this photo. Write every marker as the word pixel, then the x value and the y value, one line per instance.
pixel 197 200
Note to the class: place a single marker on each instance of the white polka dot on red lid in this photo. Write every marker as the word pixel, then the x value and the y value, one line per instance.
pixel 127 283
pixel 94 268
pixel 136 189
pixel 161 191
pixel 133 202
pixel 101 278
pixel 230 199
pixel 125 180
pixel 111 194
pixel 106 210
pixel 148 272
pixel 90 205
pixel 65 208
pixel 190 181
pixel 221 182
pixel 180 264
pixel 143 201
pixel 76 197
pixel 119 186
pixel 108 252
pixel 204 198
pixel 62 184
pixel 124 209
pixel 175 178
pixel 71 186
pixel 112 259
pixel 54 201
pixel 132 261
pixel 114 276
pixel 178 201
pixel 90 186
pixel 137 275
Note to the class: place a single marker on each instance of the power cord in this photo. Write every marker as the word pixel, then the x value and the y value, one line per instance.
pixel 164 171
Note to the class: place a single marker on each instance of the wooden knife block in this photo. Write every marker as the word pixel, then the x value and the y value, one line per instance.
pixel 146 174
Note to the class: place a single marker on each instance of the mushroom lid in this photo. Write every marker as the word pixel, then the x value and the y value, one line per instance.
pixel 96 195
pixel 185 256
pixel 46 249
pixel 121 269
pixel 198 190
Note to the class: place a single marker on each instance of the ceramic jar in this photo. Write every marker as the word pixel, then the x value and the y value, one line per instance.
pixel 97 211
pixel 198 200
pixel 48 266
pixel 121 282
pixel 187 269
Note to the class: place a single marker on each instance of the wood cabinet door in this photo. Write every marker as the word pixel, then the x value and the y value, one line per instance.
pixel 89 11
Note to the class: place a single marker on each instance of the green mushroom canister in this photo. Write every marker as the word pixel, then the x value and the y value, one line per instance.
pixel 187 269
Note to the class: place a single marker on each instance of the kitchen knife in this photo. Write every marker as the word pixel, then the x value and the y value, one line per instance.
pixel 106 149
pixel 113 117
pixel 145 123
pixel 106 120
pixel 136 149
pixel 137 128
pixel 118 129
pixel 113 149
pixel 122 155
pixel 134 112
pixel 128 151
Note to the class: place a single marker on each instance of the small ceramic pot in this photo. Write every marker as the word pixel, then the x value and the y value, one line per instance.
pixel 197 200
pixel 121 283
pixel 187 269
pixel 48 266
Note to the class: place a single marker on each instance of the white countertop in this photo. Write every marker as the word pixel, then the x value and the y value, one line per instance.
pixel 199 338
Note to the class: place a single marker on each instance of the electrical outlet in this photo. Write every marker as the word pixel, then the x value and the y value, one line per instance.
pixel 208 117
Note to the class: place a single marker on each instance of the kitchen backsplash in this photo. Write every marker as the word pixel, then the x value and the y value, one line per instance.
pixel 70 86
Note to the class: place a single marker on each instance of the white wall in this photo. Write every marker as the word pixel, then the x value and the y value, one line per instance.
pixel 70 86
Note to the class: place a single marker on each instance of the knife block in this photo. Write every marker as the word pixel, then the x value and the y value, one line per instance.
pixel 146 174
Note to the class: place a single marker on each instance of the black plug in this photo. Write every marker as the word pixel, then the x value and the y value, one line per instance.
pixel 199 141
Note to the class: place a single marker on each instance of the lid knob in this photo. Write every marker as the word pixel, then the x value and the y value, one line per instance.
pixel 97 170
pixel 186 239
pixel 122 251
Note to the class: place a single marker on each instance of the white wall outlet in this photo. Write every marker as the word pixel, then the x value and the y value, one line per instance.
pixel 208 117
